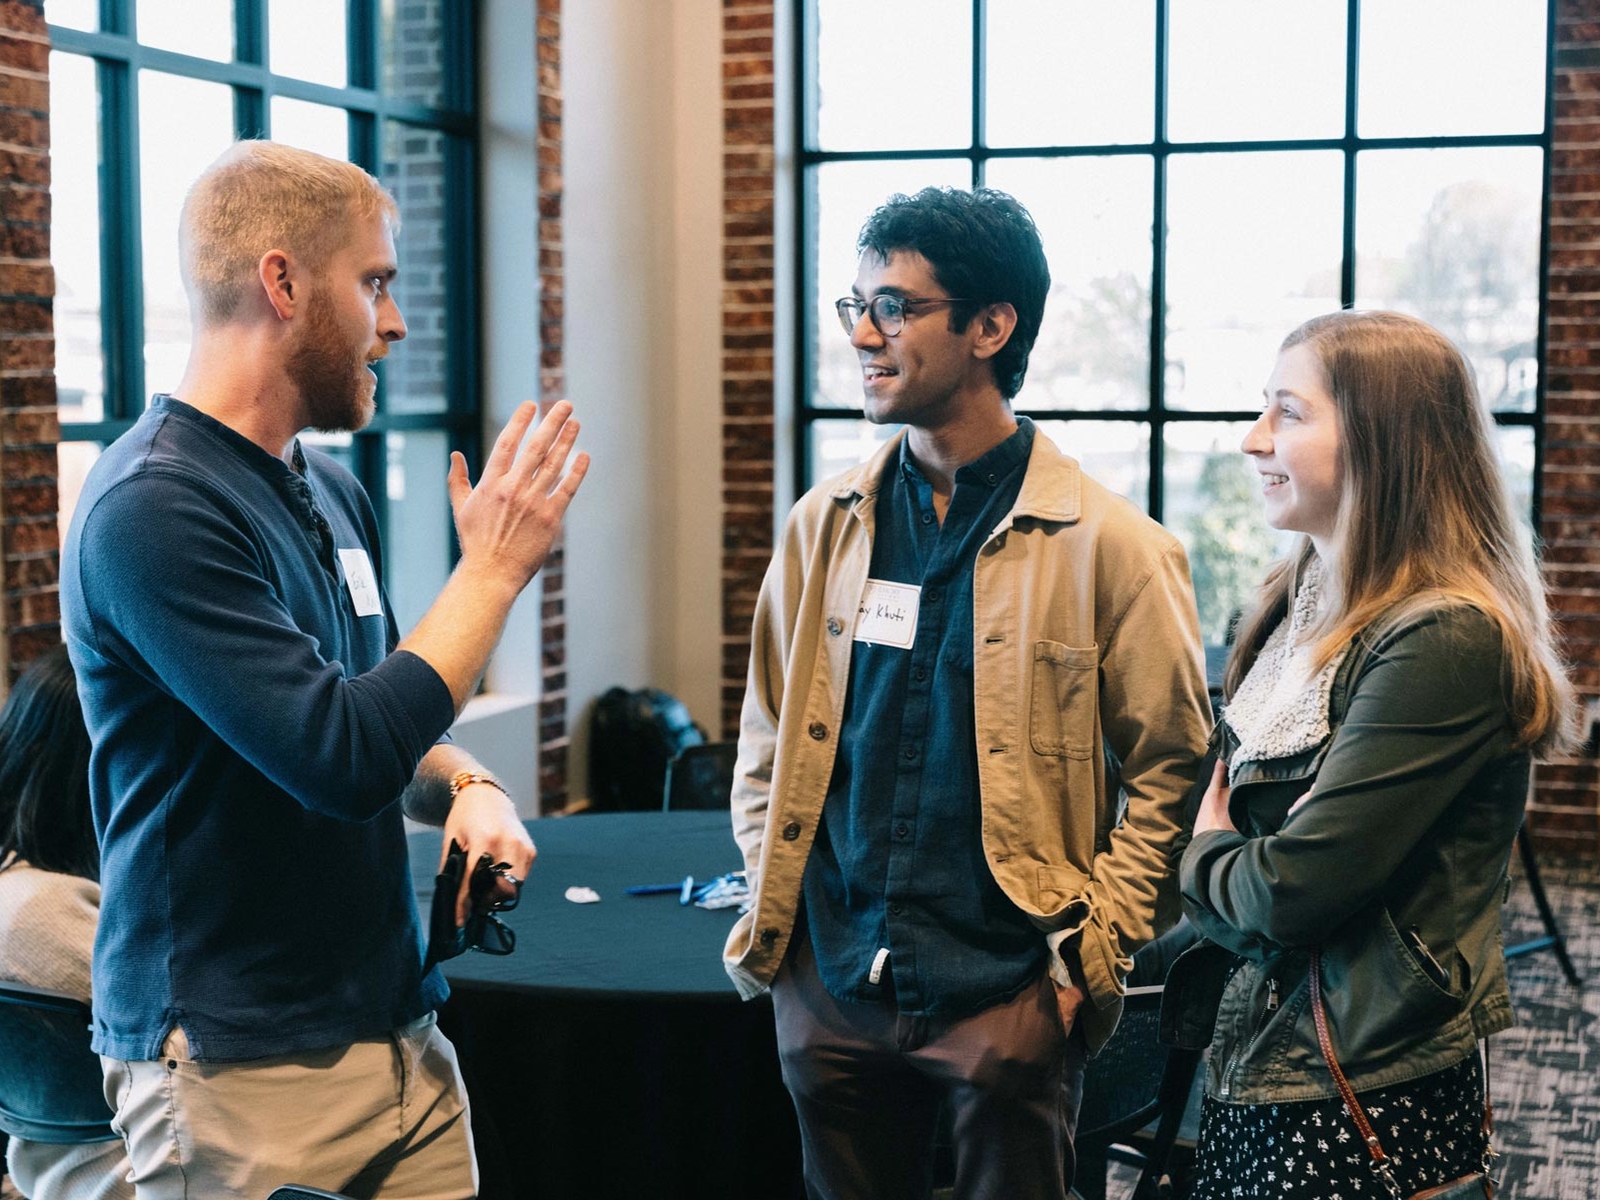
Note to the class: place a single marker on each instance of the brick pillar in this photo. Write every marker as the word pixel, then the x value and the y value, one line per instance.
pixel 554 738
pixel 1567 807
pixel 747 333
pixel 28 429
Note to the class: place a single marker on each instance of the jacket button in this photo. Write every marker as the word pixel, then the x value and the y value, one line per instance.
pixel 791 831
pixel 769 937
pixel 818 731
pixel 834 628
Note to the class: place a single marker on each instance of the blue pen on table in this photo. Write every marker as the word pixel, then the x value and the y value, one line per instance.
pixel 689 892
pixel 655 889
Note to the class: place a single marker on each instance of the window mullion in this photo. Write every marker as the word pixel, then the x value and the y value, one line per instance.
pixel 117 16
pixel 122 243
pixel 1352 77
pixel 980 135
pixel 362 45
pixel 1158 275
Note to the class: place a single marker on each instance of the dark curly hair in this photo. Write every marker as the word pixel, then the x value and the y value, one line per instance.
pixel 44 771
pixel 983 246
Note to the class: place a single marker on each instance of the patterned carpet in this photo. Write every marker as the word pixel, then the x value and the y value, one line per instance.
pixel 1545 1072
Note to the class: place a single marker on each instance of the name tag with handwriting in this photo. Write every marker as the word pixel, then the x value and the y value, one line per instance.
pixel 888 614
pixel 363 584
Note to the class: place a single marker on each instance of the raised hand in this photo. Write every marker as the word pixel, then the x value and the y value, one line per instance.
pixel 509 521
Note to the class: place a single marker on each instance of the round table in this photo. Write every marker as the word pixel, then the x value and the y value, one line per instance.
pixel 636 946
pixel 610 1055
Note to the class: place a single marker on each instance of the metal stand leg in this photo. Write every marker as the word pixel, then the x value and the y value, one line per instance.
pixel 1553 938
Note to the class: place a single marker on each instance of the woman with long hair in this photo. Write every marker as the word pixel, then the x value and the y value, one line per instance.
pixel 50 897
pixel 1384 703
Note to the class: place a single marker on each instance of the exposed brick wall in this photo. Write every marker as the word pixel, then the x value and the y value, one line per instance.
pixel 1568 803
pixel 554 738
pixel 28 427
pixel 747 332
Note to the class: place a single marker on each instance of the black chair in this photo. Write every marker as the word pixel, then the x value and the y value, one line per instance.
pixel 51 1088
pixel 700 777
pixel 1132 1082
pixel 1553 939
pixel 293 1191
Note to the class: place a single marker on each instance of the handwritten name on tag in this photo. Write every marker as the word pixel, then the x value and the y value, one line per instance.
pixel 361 581
pixel 888 614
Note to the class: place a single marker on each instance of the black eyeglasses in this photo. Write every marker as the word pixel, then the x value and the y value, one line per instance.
pixel 483 930
pixel 888 311
pixel 487 933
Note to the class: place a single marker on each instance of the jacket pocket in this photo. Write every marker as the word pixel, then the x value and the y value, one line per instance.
pixel 1383 1000
pixel 1062 709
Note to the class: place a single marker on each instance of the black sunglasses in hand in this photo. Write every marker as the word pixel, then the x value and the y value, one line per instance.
pixel 483 931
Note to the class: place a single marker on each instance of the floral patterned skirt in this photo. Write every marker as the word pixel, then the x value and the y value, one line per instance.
pixel 1431 1127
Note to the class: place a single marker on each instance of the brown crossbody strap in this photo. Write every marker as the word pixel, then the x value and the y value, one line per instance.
pixel 1380 1161
pixel 1346 1092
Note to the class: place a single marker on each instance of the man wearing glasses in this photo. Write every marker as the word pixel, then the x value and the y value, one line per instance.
pixel 965 652
pixel 261 1004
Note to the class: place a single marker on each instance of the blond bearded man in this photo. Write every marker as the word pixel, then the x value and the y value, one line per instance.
pixel 259 725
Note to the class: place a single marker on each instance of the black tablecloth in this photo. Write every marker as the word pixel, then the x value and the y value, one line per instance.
pixel 624 946
pixel 610 1055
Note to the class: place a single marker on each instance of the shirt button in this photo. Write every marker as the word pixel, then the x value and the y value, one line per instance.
pixel 910 753
pixel 902 829
pixel 769 937
pixel 927 518
pixel 991 477
pixel 920 674
pixel 791 831
pixel 931 595
pixel 834 628
pixel 818 731
pixel 894 910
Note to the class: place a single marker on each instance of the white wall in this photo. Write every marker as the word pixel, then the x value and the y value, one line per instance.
pixel 643 197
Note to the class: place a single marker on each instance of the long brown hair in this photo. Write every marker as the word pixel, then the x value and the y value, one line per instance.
pixel 1424 514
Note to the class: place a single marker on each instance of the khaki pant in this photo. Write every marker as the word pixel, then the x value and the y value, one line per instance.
pixel 82 1171
pixel 382 1116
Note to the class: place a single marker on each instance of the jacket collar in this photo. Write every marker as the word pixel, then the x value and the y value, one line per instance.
pixel 1052 488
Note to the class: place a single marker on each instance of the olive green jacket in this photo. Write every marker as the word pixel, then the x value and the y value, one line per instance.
pixel 1085 642
pixel 1397 866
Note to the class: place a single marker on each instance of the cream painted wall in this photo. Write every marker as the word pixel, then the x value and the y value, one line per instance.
pixel 642 148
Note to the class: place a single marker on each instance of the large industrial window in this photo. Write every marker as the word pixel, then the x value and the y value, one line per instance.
pixel 145 93
pixel 1205 174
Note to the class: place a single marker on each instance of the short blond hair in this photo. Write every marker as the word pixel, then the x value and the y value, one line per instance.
pixel 260 196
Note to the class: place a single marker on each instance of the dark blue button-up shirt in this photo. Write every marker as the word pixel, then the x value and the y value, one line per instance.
pixel 898 863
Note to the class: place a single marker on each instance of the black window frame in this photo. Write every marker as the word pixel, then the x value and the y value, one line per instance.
pixel 1160 149
pixel 118 56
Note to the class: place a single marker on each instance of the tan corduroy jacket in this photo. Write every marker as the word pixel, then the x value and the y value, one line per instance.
pixel 1087 676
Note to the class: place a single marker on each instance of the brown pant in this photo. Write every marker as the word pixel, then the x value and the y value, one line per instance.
pixel 868 1083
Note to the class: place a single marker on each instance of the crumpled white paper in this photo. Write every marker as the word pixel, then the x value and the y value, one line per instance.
pixel 583 895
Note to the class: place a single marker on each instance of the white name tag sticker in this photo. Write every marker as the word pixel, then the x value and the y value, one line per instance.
pixel 363 584
pixel 888 614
